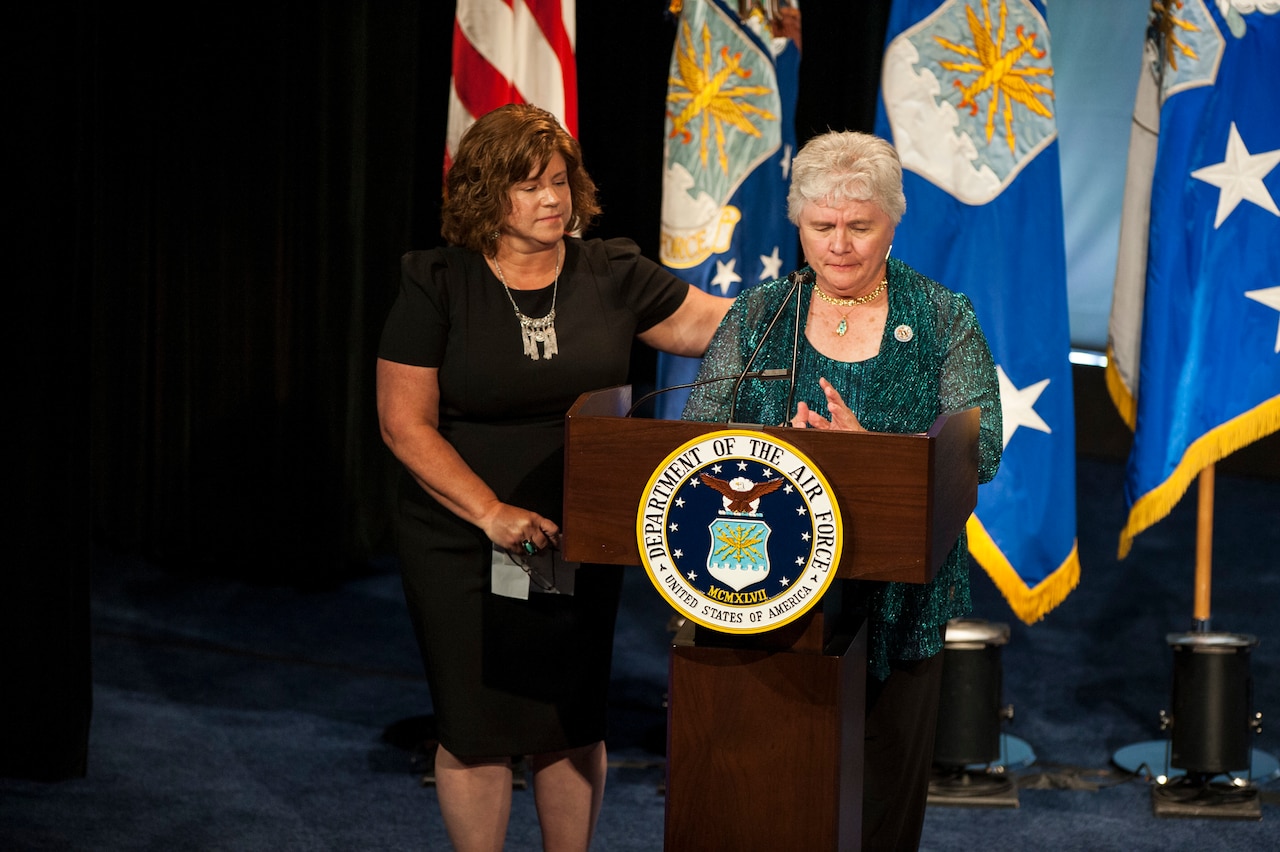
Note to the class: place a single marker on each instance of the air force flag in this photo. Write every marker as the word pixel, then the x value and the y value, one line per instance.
pixel 730 136
pixel 967 99
pixel 1194 341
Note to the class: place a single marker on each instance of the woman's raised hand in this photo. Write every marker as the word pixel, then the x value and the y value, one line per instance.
pixel 842 419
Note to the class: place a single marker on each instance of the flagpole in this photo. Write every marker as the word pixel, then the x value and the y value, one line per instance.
pixel 1204 549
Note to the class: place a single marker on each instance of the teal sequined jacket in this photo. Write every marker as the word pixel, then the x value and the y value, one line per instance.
pixel 944 364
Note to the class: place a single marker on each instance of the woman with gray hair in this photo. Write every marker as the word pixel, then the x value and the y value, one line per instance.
pixel 876 346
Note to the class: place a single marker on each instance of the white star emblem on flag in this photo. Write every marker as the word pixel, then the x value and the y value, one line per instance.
pixel 1269 296
pixel 1239 177
pixel 1018 406
pixel 772 264
pixel 726 277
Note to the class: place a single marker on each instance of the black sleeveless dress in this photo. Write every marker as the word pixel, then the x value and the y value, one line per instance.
pixel 509 676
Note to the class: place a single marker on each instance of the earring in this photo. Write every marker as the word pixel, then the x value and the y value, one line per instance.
pixel 889 252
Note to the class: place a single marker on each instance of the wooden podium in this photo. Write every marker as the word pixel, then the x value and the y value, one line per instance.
pixel 764 737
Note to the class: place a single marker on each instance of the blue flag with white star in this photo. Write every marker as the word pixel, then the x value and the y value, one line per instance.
pixel 1194 340
pixel 966 97
pixel 730 136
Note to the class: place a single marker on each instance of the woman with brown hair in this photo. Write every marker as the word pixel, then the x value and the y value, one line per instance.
pixel 491 340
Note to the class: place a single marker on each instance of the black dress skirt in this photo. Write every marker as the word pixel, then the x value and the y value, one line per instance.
pixel 507 676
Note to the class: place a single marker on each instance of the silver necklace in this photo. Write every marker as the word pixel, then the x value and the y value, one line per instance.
pixel 541 329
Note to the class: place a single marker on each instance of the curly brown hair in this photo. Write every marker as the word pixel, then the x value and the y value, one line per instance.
pixel 503 148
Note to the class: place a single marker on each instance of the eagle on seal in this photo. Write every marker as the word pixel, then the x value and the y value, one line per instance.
pixel 741 494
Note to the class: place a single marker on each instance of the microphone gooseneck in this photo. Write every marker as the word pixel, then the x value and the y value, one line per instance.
pixel 795 351
pixel 797 279
pixel 761 375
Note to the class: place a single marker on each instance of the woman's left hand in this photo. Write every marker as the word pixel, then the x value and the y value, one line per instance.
pixel 842 419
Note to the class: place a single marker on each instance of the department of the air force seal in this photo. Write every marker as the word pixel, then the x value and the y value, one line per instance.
pixel 739 532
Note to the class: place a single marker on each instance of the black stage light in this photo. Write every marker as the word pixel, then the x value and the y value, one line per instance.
pixel 967 750
pixel 1211 719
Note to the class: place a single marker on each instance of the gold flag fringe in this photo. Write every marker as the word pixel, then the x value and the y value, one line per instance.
pixel 1029 604
pixel 1121 396
pixel 1210 448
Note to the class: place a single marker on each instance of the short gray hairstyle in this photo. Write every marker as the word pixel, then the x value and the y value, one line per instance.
pixel 844 165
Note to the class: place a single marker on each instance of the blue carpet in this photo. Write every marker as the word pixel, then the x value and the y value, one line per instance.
pixel 229 716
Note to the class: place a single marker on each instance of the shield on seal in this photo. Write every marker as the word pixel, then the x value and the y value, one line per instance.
pixel 739 553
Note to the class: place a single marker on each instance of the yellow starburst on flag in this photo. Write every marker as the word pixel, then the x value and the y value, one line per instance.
pixel 705 94
pixel 998 70
pixel 1165 22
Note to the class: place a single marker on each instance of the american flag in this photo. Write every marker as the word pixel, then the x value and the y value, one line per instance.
pixel 512 51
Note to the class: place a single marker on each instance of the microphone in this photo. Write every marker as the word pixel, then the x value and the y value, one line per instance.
pixel 796 278
pixel 762 375
pixel 795 350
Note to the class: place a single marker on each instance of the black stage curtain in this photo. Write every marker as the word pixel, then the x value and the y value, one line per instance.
pixel 257 175
pixel 212 204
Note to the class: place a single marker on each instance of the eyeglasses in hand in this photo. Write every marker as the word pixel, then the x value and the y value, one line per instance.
pixel 537 577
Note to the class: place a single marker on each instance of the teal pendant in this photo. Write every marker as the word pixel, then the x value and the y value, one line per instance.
pixel 842 327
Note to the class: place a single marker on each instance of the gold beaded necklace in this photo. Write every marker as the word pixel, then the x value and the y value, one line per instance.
pixel 843 326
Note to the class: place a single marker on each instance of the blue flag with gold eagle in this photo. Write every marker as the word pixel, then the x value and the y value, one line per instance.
pixel 730 136
pixel 966 97
pixel 1194 339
